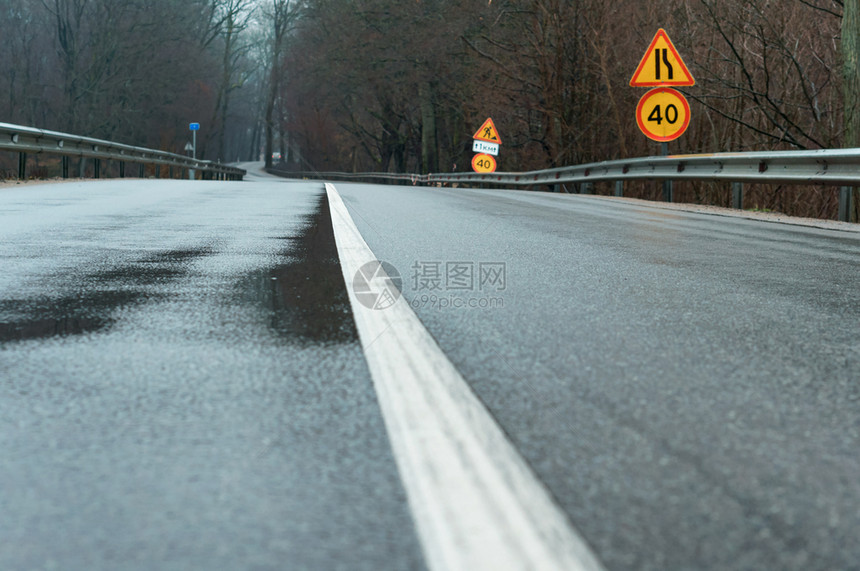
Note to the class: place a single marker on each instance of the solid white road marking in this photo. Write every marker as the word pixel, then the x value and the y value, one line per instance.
pixel 475 501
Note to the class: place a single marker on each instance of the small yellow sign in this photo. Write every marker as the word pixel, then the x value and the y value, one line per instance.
pixel 663 114
pixel 488 133
pixel 483 163
pixel 661 65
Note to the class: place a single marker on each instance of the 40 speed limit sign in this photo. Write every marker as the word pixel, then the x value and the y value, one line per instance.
pixel 663 114
pixel 483 163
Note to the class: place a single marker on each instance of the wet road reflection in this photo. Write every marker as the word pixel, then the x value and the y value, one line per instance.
pixel 99 297
pixel 181 386
pixel 305 297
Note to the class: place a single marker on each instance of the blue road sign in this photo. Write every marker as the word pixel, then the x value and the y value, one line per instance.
pixel 194 127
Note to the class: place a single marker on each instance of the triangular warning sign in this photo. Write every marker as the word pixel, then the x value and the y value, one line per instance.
pixel 488 133
pixel 661 65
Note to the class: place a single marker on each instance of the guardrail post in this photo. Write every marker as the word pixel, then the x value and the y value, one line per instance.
pixel 619 188
pixel 65 163
pixel 668 191
pixel 845 195
pixel 588 188
pixel 171 171
pixel 141 170
pixel 97 168
pixel 667 184
pixel 738 195
pixel 22 166
pixel 122 169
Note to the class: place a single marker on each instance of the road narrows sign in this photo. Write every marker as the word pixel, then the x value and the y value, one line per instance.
pixel 661 65
pixel 663 114
pixel 488 133
pixel 483 163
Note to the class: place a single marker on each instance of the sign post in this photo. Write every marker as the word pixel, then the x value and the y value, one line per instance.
pixel 193 127
pixel 663 113
pixel 487 144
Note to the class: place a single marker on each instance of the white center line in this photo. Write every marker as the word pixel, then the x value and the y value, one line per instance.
pixel 475 501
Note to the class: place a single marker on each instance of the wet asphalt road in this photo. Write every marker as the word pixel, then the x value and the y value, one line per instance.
pixel 688 386
pixel 167 398
pixel 685 385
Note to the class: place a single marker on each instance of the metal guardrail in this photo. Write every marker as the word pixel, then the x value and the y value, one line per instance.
pixel 832 167
pixel 359 176
pixel 26 140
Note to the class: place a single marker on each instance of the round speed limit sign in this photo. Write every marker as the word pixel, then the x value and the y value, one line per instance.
pixel 663 114
pixel 483 163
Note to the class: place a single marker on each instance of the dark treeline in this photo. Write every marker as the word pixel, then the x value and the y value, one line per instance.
pixel 401 86
pixel 135 71
pixel 376 85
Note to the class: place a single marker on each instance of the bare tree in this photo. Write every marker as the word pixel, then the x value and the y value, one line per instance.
pixel 281 15
pixel 768 57
pixel 233 17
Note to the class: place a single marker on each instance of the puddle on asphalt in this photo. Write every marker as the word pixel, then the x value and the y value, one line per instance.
pixel 42 318
pixel 305 298
pixel 139 275
pixel 153 269
pixel 102 295
pixel 177 256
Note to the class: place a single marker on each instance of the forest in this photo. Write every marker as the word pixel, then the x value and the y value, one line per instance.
pixel 376 85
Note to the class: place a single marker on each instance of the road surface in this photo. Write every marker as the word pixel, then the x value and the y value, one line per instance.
pixel 183 383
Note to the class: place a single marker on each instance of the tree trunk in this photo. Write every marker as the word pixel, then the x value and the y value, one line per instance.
pixel 429 149
pixel 851 83
pixel 270 131
pixel 282 14
pixel 254 150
